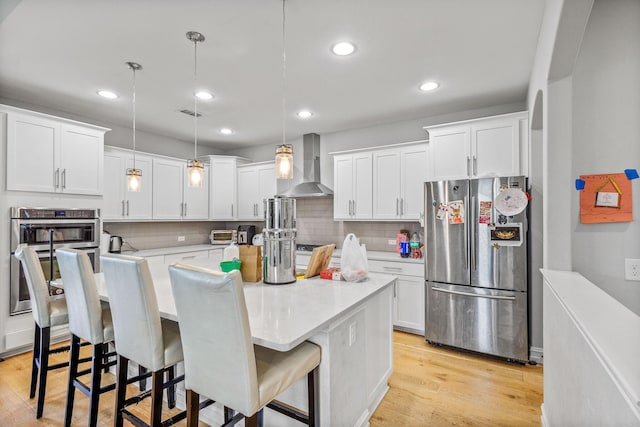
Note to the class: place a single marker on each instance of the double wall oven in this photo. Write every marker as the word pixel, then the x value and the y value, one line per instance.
pixel 46 230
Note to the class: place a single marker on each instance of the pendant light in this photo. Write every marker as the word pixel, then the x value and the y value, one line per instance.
pixel 284 152
pixel 134 176
pixel 195 168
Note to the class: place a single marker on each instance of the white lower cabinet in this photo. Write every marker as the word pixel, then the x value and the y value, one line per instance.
pixel 408 293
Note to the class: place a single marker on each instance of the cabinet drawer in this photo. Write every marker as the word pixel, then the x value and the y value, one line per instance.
pixel 185 256
pixel 397 268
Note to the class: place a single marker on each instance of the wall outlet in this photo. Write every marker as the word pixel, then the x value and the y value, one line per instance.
pixel 352 334
pixel 392 242
pixel 181 238
pixel 632 269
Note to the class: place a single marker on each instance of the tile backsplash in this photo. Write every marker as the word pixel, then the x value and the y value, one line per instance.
pixel 315 225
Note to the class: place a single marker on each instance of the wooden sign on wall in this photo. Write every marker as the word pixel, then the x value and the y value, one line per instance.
pixel 606 198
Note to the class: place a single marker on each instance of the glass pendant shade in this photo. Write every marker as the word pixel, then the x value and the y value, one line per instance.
pixel 195 173
pixel 134 180
pixel 284 161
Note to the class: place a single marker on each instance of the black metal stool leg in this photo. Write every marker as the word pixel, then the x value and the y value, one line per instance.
pixel 121 390
pixel 171 390
pixel 96 375
pixel 73 373
pixel 35 362
pixel 45 340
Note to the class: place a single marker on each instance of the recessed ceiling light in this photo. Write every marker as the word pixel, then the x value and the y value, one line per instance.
pixel 343 48
pixel 107 94
pixel 204 95
pixel 226 131
pixel 428 86
pixel 304 114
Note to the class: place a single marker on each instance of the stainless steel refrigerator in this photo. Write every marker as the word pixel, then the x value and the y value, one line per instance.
pixel 476 265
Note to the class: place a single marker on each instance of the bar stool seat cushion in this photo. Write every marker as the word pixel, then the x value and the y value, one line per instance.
pixel 278 370
pixel 58 312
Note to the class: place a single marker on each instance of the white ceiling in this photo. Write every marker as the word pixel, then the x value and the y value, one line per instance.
pixel 57 54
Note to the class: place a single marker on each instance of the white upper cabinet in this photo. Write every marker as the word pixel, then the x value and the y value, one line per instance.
pixel 222 188
pixel 492 146
pixel 256 182
pixel 173 199
pixel 47 154
pixel 353 186
pixel 118 202
pixel 399 174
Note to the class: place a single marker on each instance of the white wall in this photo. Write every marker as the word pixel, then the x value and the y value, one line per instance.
pixel 606 139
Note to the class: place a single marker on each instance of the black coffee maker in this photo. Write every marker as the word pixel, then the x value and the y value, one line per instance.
pixel 245 234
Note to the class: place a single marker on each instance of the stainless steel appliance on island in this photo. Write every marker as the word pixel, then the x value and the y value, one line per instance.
pixel 279 234
pixel 477 265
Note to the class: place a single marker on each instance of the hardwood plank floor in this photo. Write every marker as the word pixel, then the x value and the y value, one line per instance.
pixel 429 386
pixel 437 386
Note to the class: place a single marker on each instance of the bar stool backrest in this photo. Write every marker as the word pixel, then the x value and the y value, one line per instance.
pixel 134 309
pixel 81 293
pixel 219 358
pixel 37 285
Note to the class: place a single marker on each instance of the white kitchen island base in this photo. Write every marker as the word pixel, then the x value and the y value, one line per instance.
pixel 357 360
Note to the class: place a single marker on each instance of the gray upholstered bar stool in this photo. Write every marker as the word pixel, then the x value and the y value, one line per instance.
pixel 47 312
pixel 220 360
pixel 141 336
pixel 89 321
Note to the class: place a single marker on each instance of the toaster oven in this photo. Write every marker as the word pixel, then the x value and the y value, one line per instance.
pixel 223 237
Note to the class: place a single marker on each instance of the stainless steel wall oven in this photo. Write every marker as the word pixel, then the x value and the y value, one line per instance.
pixel 45 230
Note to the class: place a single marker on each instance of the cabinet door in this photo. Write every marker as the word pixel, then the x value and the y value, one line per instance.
pixel 167 189
pixel 196 199
pixel 451 154
pixel 496 148
pixel 342 186
pixel 267 180
pixel 32 150
pixel 113 203
pixel 414 171
pixel 387 197
pixel 222 189
pixel 362 186
pixel 409 303
pixel 248 191
pixel 138 205
pixel 81 151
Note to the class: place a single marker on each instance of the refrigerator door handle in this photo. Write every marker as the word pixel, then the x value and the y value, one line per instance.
pixel 474 229
pixel 466 236
pixel 498 297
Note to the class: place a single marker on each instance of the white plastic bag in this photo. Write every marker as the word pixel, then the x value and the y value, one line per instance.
pixel 353 260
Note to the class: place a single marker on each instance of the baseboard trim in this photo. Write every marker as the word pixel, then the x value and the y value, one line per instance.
pixel 543 417
pixel 536 355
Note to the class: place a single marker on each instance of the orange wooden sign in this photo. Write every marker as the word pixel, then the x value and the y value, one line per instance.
pixel 606 198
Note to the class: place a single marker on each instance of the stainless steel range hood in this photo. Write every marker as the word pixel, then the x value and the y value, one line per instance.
pixel 310 185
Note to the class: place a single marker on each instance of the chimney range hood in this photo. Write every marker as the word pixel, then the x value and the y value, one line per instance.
pixel 310 185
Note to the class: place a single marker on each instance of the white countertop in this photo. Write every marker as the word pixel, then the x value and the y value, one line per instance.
pixel 281 316
pixel 372 255
pixel 611 329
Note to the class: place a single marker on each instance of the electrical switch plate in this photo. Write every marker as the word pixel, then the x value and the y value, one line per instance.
pixel 392 241
pixel 181 238
pixel 632 269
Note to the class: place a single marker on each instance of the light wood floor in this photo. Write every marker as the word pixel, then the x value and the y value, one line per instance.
pixel 429 386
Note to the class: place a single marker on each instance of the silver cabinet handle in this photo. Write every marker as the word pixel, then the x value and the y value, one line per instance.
pixel 468 165
pixel 127 208
pixel 475 165
pixel 354 208
pixel 185 209
pixel 397 209
pixel 402 206
pixel 64 178
pixel 57 178
pixel 392 268
pixel 189 257
pixel 181 209
pixel 350 207
pixel 123 208
pixel 231 210
pixel 448 291
pixel 395 290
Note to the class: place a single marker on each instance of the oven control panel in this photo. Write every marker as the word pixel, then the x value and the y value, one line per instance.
pixel 45 213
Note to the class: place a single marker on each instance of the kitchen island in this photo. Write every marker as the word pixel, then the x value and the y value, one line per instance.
pixel 351 322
